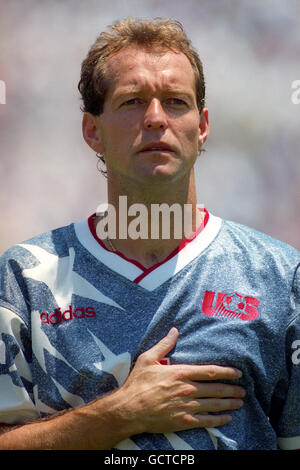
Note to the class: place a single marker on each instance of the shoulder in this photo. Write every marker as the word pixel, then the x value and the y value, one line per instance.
pixel 252 239
pixel 55 241
pixel 40 251
pixel 260 250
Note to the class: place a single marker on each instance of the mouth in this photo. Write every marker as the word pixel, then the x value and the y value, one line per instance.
pixel 156 147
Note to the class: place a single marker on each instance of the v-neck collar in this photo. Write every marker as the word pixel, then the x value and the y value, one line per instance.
pixel 153 277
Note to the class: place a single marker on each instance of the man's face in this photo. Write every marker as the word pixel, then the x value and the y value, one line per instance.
pixel 150 129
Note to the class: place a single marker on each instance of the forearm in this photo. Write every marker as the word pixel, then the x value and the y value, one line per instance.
pixel 154 399
pixel 97 425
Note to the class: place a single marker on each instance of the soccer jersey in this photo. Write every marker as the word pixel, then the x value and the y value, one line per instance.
pixel 74 317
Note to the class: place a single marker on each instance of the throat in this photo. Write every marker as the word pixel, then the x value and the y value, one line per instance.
pixel 147 254
pixel 151 257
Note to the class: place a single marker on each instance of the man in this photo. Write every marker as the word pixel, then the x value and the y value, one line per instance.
pixel 152 342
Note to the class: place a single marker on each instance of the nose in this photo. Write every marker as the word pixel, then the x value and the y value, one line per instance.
pixel 155 117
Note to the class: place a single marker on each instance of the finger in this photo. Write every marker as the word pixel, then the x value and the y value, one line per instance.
pixel 206 405
pixel 212 421
pixel 218 390
pixel 203 420
pixel 162 348
pixel 209 372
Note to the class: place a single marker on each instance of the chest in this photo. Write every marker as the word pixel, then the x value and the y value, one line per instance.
pixel 87 347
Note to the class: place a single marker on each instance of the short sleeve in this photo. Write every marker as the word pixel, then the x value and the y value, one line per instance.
pixel 16 397
pixel 288 422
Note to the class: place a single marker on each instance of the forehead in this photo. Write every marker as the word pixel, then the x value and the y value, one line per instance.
pixel 133 66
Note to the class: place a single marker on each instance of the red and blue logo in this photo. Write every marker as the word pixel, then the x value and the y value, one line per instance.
pixel 233 306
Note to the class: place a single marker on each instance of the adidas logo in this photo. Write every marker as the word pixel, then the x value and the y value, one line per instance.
pixel 58 316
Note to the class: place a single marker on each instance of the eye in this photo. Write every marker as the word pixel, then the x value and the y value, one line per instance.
pixel 132 102
pixel 176 102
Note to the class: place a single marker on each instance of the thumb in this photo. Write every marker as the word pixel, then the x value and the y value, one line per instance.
pixel 163 347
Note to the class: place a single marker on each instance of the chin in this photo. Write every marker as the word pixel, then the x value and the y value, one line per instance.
pixel 160 169
pixel 160 175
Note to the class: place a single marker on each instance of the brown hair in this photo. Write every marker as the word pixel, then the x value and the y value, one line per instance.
pixel 146 33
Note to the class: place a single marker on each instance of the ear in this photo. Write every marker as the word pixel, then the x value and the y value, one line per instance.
pixel 203 127
pixel 91 132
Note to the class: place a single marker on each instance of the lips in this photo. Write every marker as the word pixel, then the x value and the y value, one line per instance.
pixel 156 147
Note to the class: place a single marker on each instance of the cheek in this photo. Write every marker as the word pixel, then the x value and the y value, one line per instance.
pixel 120 131
pixel 189 136
pixel 112 135
pixel 188 130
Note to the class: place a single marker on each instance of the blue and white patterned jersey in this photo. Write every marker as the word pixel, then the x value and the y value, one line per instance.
pixel 75 316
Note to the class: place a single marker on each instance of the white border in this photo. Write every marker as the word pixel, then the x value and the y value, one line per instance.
pixel 110 259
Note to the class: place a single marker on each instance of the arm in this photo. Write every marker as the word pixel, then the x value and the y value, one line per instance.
pixel 93 426
pixel 154 399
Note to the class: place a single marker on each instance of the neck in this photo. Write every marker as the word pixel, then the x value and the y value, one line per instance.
pixel 151 222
